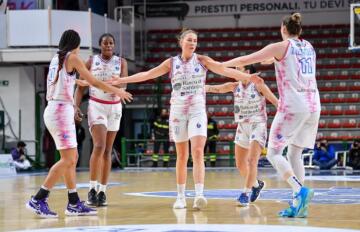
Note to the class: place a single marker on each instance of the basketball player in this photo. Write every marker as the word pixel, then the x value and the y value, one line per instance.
pixel 251 133
pixel 59 120
pixel 188 119
pixel 296 121
pixel 104 115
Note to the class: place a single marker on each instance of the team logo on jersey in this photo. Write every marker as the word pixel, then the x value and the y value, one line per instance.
pixel 177 86
pixel 236 109
pixel 279 136
pixel 176 120
pixel 197 69
pixel 253 95
pixel 177 66
pixel 238 89
pixel 97 63
pixel 198 125
pixel 117 68
pixel 65 136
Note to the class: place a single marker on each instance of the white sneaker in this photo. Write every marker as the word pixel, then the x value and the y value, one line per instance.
pixel 200 202
pixel 180 203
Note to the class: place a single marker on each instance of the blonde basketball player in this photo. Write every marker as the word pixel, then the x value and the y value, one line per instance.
pixel 188 120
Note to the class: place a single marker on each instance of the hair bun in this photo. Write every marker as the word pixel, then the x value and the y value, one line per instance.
pixel 296 17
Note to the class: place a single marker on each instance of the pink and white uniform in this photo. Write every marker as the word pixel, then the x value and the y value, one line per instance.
pixel 104 108
pixel 59 113
pixel 188 99
pixel 296 121
pixel 250 114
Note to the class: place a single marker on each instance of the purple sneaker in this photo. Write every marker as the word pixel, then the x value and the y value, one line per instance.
pixel 79 210
pixel 41 208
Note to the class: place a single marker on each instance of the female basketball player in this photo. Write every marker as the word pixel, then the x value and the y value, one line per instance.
pixel 296 121
pixel 59 120
pixel 251 133
pixel 104 115
pixel 188 118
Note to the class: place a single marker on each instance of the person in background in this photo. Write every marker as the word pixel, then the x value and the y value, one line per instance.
pixel 324 155
pixel 21 162
pixel 354 155
pixel 161 136
pixel 213 135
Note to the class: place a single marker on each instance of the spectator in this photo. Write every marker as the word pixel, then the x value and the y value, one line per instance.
pixel 354 155
pixel 324 155
pixel 161 136
pixel 213 134
pixel 21 162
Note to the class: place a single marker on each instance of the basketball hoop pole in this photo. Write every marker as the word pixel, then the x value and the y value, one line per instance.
pixel 352 26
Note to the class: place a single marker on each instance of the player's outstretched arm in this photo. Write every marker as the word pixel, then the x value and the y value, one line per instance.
pixel 80 67
pixel 160 70
pixel 271 51
pixel 224 88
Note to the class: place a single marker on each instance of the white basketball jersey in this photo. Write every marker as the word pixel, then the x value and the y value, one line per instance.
pixel 187 81
pixel 295 77
pixel 249 104
pixel 104 70
pixel 63 88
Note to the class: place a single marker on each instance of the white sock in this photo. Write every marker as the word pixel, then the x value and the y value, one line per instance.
pixel 93 185
pixel 256 184
pixel 43 187
pixel 181 190
pixel 102 188
pixel 199 189
pixel 72 190
pixel 247 191
pixel 294 183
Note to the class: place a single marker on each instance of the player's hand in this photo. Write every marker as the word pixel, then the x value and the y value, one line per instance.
pixel 78 115
pixel 125 96
pixel 82 83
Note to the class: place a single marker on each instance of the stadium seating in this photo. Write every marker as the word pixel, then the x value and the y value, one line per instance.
pixel 338 74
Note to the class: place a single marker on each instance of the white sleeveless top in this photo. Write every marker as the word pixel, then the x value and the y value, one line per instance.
pixel 63 89
pixel 249 104
pixel 188 82
pixel 104 70
pixel 295 77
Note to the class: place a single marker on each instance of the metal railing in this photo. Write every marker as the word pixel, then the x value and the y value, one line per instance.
pixel 144 153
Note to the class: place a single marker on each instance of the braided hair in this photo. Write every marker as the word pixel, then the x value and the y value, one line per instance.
pixel 69 40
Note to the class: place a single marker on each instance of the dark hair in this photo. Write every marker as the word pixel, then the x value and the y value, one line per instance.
pixel 69 40
pixel 251 68
pixel 21 144
pixel 106 35
pixel 293 23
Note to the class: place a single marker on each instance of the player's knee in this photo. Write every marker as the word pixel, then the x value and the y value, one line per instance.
pixel 253 161
pixel 99 148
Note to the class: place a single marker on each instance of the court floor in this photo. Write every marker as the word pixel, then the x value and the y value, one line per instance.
pixel 141 200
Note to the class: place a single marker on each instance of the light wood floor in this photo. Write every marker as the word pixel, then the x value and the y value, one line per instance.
pixel 128 209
